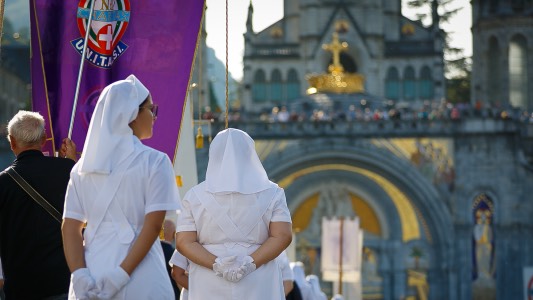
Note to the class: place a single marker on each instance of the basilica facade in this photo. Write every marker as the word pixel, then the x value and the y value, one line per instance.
pixel 400 59
pixel 443 208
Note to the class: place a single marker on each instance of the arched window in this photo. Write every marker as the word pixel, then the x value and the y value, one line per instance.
pixel 259 90
pixel 494 82
pixel 425 84
pixel 392 84
pixel 293 85
pixel 518 80
pixel 276 85
pixel 347 63
pixel 409 84
pixel 493 5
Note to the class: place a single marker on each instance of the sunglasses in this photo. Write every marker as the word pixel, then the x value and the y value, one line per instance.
pixel 153 109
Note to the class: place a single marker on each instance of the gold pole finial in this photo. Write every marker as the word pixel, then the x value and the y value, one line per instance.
pixel 199 139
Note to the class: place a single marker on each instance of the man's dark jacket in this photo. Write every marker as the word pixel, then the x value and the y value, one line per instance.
pixel 31 247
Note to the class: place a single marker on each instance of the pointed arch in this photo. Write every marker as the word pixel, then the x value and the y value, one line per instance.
pixel 483 264
pixel 425 84
pixel 347 62
pixel 276 86
pixel 259 89
pixel 494 82
pixel 293 85
pixel 518 80
pixel 409 83
pixel 392 84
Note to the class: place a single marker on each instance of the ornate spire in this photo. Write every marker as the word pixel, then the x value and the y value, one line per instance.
pixel 249 24
pixel 435 14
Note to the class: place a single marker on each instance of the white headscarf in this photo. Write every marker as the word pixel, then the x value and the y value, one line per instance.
pixel 110 138
pixel 299 277
pixel 234 166
pixel 315 287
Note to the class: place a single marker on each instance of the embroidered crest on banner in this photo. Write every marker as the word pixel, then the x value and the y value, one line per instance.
pixel 109 22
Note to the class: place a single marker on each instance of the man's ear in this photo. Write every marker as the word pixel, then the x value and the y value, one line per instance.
pixel 43 139
pixel 12 142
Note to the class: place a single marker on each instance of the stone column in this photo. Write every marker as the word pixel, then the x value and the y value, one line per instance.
pixel 463 257
pixel 399 278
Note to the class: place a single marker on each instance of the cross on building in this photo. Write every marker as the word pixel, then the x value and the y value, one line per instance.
pixel 336 48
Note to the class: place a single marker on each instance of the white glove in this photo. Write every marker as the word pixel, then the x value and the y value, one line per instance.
pixel 222 265
pixel 111 283
pixel 82 283
pixel 247 267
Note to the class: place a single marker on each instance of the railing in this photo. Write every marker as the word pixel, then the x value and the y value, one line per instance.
pixel 377 129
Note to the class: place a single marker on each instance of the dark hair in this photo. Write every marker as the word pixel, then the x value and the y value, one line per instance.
pixel 145 101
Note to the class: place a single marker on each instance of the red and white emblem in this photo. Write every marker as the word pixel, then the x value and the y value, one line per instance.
pixel 109 22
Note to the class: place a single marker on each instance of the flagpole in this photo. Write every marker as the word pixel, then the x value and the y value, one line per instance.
pixel 340 253
pixel 2 3
pixel 87 31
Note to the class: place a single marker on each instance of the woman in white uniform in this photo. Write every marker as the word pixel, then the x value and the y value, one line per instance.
pixel 233 225
pixel 122 189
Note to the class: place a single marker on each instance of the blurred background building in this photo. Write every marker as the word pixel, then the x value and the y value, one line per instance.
pixel 399 59
pixel 358 110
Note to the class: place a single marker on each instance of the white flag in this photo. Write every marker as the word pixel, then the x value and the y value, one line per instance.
pixel 352 243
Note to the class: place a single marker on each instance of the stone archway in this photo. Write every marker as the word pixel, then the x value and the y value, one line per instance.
pixel 374 163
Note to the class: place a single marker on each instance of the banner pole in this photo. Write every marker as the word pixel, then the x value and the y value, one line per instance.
pixel 340 253
pixel 2 5
pixel 87 31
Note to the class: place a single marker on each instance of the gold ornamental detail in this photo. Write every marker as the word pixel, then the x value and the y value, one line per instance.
pixel 336 80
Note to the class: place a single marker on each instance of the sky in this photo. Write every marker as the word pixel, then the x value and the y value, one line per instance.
pixel 266 12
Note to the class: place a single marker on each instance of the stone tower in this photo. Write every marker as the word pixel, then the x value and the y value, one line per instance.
pixel 502 52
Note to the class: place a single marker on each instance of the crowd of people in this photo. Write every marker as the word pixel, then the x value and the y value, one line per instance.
pixel 366 112
pixel 88 227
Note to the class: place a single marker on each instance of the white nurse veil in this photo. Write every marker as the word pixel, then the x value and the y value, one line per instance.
pixel 314 282
pixel 299 276
pixel 110 139
pixel 234 166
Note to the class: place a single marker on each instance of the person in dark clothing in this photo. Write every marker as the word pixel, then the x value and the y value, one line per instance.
pixel 2 296
pixel 295 293
pixel 168 250
pixel 31 248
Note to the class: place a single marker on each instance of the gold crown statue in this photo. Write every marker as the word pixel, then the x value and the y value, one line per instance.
pixel 336 81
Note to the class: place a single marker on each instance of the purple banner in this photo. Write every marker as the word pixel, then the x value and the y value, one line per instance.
pixel 155 40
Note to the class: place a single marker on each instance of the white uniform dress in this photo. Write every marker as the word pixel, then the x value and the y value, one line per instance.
pixel 233 224
pixel 114 206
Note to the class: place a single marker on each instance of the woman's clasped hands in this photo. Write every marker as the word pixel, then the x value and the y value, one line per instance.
pixel 233 269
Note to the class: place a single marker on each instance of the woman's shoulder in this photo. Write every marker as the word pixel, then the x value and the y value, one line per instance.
pixel 275 188
pixel 197 190
pixel 194 194
pixel 151 153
